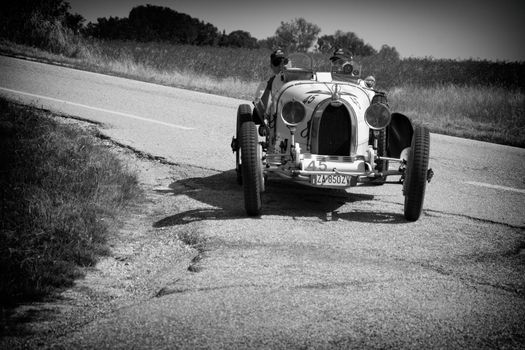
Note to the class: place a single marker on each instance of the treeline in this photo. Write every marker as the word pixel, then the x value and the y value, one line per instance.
pixel 161 24
pixel 36 22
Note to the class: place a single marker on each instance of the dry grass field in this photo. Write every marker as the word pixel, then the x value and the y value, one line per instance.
pixel 473 99
pixel 493 114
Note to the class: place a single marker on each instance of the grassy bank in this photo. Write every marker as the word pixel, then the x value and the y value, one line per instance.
pixel 472 99
pixel 492 114
pixel 59 190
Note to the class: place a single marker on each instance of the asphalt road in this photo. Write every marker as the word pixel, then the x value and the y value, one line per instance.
pixel 319 269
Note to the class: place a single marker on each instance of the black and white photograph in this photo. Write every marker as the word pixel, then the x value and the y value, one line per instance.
pixel 296 174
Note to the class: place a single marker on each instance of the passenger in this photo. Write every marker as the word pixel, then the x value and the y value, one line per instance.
pixel 342 62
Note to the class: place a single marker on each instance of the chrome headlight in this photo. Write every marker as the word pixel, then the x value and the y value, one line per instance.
pixel 293 113
pixel 377 116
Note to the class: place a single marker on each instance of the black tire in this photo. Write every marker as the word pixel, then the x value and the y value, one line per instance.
pixel 252 177
pixel 244 113
pixel 416 174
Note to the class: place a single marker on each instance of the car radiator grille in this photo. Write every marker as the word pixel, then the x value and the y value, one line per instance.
pixel 335 131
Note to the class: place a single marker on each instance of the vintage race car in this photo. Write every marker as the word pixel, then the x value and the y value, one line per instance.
pixel 329 129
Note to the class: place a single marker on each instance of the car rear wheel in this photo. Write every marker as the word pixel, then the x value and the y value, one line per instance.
pixel 416 173
pixel 252 175
pixel 244 113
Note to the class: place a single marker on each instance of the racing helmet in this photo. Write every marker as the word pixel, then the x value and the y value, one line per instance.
pixel 342 62
pixel 340 54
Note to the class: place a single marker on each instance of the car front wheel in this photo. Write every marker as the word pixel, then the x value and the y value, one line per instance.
pixel 244 113
pixel 252 176
pixel 416 173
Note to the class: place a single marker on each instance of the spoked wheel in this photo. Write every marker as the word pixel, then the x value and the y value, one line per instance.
pixel 252 175
pixel 416 174
pixel 244 113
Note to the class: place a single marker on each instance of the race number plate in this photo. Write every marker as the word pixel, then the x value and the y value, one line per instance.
pixel 330 180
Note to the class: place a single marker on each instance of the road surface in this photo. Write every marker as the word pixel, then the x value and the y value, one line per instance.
pixel 319 269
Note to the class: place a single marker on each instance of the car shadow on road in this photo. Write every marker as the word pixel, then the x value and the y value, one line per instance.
pixel 223 199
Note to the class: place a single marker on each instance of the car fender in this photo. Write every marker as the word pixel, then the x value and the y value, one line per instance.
pixel 400 131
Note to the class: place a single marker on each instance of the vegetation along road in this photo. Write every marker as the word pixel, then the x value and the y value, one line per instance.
pixel 319 269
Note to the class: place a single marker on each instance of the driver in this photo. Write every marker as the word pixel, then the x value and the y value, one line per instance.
pixel 277 62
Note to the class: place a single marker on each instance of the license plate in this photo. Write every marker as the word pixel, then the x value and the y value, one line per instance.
pixel 329 180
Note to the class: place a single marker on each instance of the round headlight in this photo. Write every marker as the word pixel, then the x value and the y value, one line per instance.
pixel 293 113
pixel 377 116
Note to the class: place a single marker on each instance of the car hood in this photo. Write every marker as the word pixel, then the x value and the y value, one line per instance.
pixel 312 93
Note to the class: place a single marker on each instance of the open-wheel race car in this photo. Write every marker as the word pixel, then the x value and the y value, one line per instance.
pixel 328 129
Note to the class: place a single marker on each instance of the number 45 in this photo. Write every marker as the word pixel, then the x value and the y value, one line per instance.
pixel 312 166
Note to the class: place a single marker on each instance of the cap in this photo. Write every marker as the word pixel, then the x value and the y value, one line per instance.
pixel 277 54
pixel 277 57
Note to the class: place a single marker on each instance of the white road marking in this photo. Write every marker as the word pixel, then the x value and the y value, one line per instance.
pixel 127 115
pixel 496 187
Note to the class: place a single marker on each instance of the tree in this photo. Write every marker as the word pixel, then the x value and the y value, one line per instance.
pixel 240 38
pixel 19 20
pixel 75 22
pixel 388 54
pixel 270 43
pixel 113 28
pixel 156 23
pixel 348 41
pixel 297 35
pixel 207 35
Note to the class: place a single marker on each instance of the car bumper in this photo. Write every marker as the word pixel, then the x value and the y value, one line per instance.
pixel 325 171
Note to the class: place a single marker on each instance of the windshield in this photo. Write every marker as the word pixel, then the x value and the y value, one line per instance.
pixel 302 66
pixel 299 61
pixel 345 66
